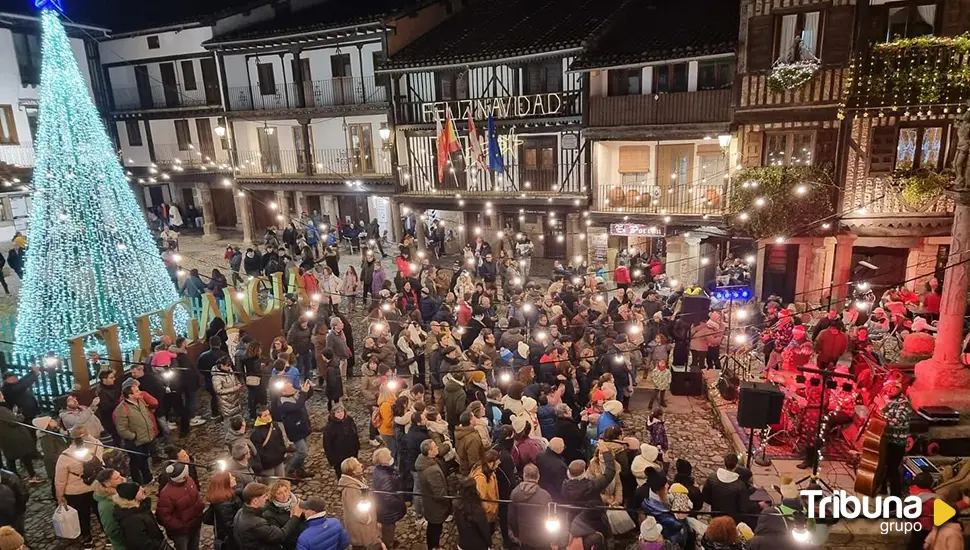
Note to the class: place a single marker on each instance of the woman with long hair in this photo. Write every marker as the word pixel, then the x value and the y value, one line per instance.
pixel 217 283
pixel 474 532
pixel 256 382
pixel 223 498
pixel 349 289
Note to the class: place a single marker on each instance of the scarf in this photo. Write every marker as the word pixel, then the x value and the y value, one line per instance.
pixel 261 422
pixel 285 505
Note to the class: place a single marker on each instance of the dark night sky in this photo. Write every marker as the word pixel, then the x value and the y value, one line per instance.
pixel 121 15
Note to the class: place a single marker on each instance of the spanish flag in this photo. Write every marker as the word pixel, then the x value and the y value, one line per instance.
pixel 447 144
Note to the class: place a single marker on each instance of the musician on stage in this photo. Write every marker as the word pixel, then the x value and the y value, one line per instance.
pixel 897 412
pixel 811 414
pixel 798 352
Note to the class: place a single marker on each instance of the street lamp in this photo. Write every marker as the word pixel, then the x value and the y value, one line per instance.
pixel 384 132
pixel 221 131
pixel 724 140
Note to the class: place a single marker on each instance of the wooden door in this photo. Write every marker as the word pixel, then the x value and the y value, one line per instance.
pixel 538 168
pixel 301 148
pixel 269 152
pixel 554 237
pixel 262 216
pixel 210 81
pixel 170 84
pixel 224 207
pixel 781 261
pixel 353 206
pixel 674 176
pixel 343 85
pixel 361 148
pixel 307 80
pixel 144 84
pixel 188 199
pixel 206 146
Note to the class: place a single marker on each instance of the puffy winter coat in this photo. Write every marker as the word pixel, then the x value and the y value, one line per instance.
pixel 15 440
pixel 340 439
pixel 527 515
pixel 488 490
pixel 272 453
pixel 227 388
pixel 433 486
pixel 291 412
pixel 299 339
pixel 473 529
pixel 135 421
pixel 221 516
pixel 552 472
pixel 455 399
pixel 180 507
pixel 363 527
pixel 106 513
pixel 727 494
pixel 254 532
pixel 412 446
pixel 280 517
pixel 390 507
pixel 138 525
pixel 323 533
pixel 470 448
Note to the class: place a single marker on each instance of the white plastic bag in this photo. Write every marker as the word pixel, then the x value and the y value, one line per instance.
pixel 66 523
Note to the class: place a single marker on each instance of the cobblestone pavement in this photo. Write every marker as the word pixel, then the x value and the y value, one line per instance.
pixel 693 435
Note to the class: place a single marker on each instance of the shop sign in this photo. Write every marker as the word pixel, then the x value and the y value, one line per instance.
pixel 519 106
pixel 635 230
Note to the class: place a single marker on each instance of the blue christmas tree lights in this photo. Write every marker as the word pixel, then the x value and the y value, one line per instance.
pixel 91 259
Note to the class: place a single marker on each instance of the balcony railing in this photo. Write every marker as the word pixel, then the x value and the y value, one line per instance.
pixel 334 92
pixel 673 108
pixel 165 97
pixel 685 200
pixel 544 105
pixel 925 72
pixel 323 163
pixel 18 155
pixel 516 180
pixel 193 156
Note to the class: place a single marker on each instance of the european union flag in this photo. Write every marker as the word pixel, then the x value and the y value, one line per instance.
pixel 495 161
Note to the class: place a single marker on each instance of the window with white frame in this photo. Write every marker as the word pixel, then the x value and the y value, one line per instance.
pixel 789 148
pixel 798 36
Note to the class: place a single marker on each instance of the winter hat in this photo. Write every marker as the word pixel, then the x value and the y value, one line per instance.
pixel 650 530
pixel 127 490
pixel 529 405
pixel 478 376
pixel 128 383
pixel 10 539
pixel 518 423
pixel 503 323
pixel 523 350
pixel 177 472
pixel 745 531
pixel 920 324
pixel 679 498
pixel 683 467
pixel 599 395
pixel 649 452
pixel 425 291
pixel 621 338
pixel 613 407
pixel 41 422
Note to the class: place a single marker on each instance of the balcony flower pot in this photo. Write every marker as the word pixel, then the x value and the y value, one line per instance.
pixel 787 76
pixel 919 190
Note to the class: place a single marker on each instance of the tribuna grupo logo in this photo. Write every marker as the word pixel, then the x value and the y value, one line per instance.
pixel 907 511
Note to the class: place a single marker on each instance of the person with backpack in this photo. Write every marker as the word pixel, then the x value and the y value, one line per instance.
pixel 74 475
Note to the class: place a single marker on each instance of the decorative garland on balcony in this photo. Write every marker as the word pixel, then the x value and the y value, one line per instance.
pixel 920 189
pixel 787 76
pixel 916 73
pixel 774 201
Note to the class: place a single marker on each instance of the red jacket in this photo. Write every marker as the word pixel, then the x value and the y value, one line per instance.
pixel 403 266
pixel 830 346
pixel 180 507
pixel 622 275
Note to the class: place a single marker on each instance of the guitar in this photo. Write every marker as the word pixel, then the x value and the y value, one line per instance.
pixel 871 470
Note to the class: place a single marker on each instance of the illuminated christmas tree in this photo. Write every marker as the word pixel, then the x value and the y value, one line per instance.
pixel 91 259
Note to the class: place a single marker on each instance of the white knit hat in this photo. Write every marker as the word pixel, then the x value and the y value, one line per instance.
pixel 613 407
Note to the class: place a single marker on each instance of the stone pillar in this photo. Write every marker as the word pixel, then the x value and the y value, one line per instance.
pixel 683 259
pixel 811 277
pixel 209 231
pixel 421 229
pixel 842 271
pixel 576 245
pixel 397 222
pixel 829 267
pixel 301 204
pixel 330 207
pixel 759 270
pixel 942 379
pixel 245 217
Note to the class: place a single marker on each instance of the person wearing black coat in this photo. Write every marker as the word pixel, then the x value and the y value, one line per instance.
pixel 255 532
pixel 13 500
pixel 685 477
pixel 138 525
pixel 335 383
pixel 206 361
pixel 271 453
pixel 340 439
pixel 572 436
pixel 507 478
pixel 474 532
pixel 17 392
pixel 428 306
pixel 220 516
pixel 253 263
pixel 109 393
pixel 728 494
pixel 584 492
pixel 552 468
pixel 390 505
pixel 290 409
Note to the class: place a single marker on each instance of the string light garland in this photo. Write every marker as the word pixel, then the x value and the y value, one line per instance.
pixel 83 271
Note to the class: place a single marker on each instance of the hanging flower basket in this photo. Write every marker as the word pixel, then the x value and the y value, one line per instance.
pixel 919 190
pixel 787 76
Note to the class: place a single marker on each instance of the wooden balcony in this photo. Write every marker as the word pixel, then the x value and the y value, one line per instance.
pixel 707 106
pixel 926 74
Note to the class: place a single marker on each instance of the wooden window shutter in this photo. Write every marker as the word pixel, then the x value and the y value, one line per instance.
pixel 882 150
pixel 753 144
pixel 826 146
pixel 837 41
pixel 761 42
pixel 635 159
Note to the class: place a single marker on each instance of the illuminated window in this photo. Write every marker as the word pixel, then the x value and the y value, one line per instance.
pixel 928 141
pixel 789 148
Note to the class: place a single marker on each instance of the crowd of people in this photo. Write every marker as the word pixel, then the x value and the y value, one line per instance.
pixel 495 404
